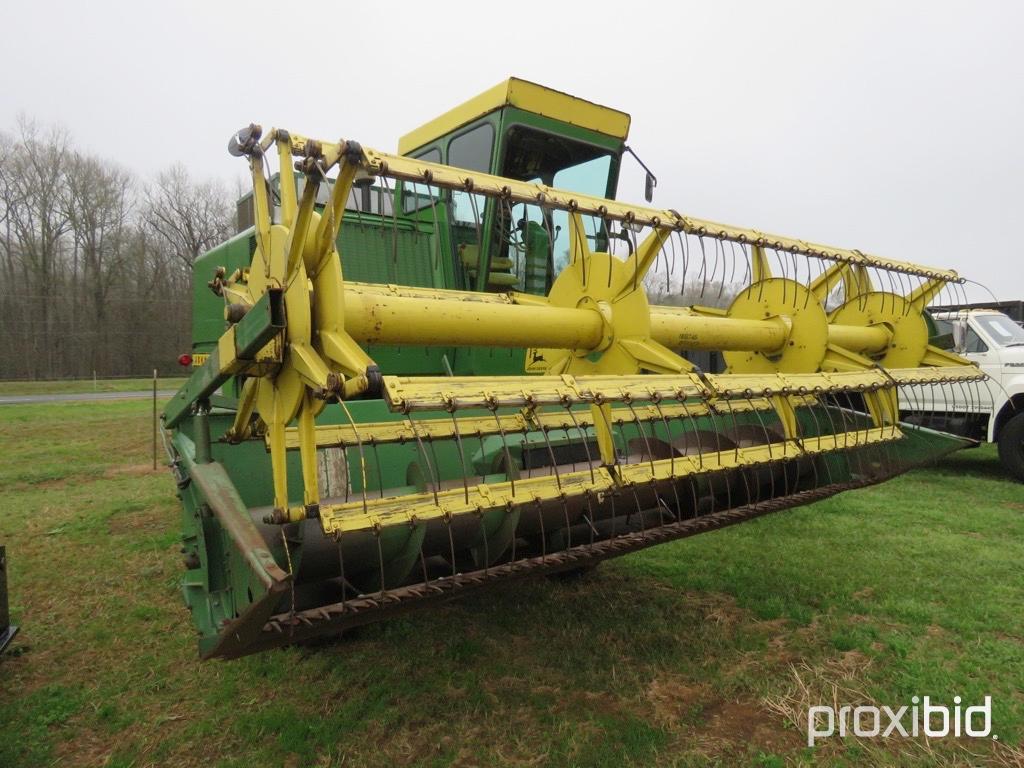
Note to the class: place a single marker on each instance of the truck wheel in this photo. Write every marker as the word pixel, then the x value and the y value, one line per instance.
pixel 1011 446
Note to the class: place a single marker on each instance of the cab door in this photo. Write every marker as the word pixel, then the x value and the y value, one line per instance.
pixel 978 348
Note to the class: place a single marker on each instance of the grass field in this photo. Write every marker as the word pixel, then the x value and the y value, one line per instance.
pixel 65 386
pixel 707 651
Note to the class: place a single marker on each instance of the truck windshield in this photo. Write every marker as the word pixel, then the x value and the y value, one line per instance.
pixel 1002 330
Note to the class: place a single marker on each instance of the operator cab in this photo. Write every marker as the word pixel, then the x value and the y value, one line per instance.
pixel 530 133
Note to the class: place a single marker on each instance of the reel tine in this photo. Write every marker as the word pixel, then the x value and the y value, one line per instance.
pixel 905 281
pixel 780 258
pixel 643 435
pixel 748 274
pixel 768 441
pixel 462 453
pixel 717 431
pixel 362 455
pixel 703 265
pixel 632 239
pixel 525 431
pixel 432 195
pixel 732 273
pixel 509 467
pixel 893 291
pixel 380 469
pixel 585 440
pixel 554 462
pixel 686 412
pixel 543 533
pixel 796 274
pixel 671 455
pixel 809 282
pixel 684 249
pixel 817 429
pixel 672 264
pixel 719 257
pixel 429 470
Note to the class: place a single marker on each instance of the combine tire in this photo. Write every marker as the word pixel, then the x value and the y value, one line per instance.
pixel 1011 446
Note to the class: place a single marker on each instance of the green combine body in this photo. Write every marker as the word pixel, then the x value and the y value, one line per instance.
pixel 423 499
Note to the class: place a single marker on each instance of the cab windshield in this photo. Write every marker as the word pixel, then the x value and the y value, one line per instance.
pixel 1002 330
pixel 538 245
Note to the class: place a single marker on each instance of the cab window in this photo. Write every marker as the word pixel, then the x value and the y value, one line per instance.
pixel 471 150
pixel 417 196
pixel 973 343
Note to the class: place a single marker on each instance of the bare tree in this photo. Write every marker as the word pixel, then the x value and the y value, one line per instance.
pixel 99 210
pixel 39 222
pixel 95 268
pixel 190 217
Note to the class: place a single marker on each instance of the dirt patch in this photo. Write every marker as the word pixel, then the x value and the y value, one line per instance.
pixel 717 726
pixel 1010 638
pixel 674 700
pixel 779 641
pixel 717 608
pixel 129 522
pixel 714 725
pixel 746 724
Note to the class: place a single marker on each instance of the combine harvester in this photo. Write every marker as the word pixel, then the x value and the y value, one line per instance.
pixel 426 373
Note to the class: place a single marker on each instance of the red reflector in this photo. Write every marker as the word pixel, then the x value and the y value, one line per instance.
pixel 185 360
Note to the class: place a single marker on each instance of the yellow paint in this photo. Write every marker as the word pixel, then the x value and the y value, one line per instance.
pixel 369 514
pixel 528 97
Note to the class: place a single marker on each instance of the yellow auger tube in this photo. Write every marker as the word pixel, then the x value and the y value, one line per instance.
pixel 383 319
pixel 380 317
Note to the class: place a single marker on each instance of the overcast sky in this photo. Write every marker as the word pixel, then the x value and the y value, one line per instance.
pixel 895 128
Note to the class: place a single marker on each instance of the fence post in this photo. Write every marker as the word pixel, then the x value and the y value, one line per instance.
pixel 154 419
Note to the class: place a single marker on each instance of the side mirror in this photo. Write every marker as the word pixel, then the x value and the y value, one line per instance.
pixel 649 184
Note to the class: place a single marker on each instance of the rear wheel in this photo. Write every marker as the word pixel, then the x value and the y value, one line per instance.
pixel 1011 446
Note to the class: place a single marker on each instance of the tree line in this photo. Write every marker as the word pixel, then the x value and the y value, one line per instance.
pixel 95 262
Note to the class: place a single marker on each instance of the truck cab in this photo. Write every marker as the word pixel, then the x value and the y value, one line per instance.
pixel 994 411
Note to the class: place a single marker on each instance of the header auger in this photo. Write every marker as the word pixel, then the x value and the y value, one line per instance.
pixel 517 405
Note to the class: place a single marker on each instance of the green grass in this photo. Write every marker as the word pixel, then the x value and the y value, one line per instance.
pixel 702 652
pixel 76 386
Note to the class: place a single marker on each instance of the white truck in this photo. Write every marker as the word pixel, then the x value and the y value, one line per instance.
pixel 993 411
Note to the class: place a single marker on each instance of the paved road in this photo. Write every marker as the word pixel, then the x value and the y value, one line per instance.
pixel 68 397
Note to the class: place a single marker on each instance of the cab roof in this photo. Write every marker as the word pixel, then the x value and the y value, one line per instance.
pixel 528 97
